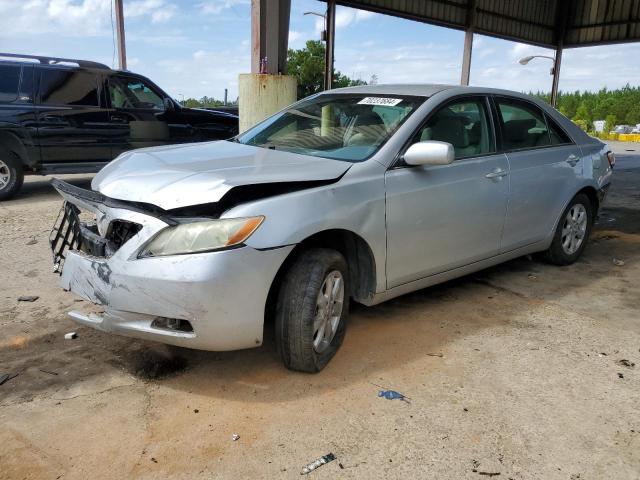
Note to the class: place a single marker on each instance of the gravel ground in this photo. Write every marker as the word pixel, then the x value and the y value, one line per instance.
pixel 512 373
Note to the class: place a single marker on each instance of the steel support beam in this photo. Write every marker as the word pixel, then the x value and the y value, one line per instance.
pixel 466 57
pixel 468 42
pixel 330 44
pixel 122 51
pixel 269 35
pixel 556 76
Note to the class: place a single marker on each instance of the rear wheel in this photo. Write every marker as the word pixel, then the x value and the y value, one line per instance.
pixel 572 232
pixel 312 310
pixel 11 174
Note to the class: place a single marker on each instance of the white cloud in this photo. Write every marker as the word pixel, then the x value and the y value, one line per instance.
pixel 200 74
pixel 214 7
pixel 294 35
pixel 344 17
pixel 159 10
pixel 423 63
pixel 74 18
pixel 581 69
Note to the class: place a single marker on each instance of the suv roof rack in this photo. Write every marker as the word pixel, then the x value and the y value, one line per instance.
pixel 52 60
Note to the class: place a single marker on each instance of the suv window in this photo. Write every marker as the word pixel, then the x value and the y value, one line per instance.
pixel 558 137
pixel 9 80
pixel 464 124
pixel 130 92
pixel 68 87
pixel 523 125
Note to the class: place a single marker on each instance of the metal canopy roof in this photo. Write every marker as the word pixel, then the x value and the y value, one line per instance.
pixel 547 23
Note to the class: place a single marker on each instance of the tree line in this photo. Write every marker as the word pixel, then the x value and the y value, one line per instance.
pixel 616 107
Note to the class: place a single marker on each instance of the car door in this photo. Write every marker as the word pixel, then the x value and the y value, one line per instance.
pixel 142 116
pixel 446 216
pixel 73 124
pixel 543 163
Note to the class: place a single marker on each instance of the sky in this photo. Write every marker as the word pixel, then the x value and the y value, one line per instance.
pixel 194 48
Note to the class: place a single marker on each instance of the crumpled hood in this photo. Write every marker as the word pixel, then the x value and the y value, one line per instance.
pixel 183 175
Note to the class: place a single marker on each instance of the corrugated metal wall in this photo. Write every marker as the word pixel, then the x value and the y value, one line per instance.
pixel 588 22
pixel 603 21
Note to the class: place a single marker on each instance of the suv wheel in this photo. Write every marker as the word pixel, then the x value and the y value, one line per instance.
pixel 11 174
pixel 311 314
pixel 572 232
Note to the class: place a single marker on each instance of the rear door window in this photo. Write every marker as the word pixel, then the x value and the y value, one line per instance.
pixel 9 81
pixel 130 92
pixel 68 87
pixel 523 125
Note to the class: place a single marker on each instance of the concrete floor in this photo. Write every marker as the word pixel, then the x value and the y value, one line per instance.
pixel 511 371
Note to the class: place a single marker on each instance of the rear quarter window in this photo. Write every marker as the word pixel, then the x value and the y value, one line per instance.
pixel 68 87
pixel 558 136
pixel 9 81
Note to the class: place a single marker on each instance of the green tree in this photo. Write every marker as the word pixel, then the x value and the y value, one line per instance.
pixel 307 65
pixel 586 107
pixel 610 123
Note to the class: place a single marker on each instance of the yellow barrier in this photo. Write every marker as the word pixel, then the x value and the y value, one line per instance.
pixel 629 137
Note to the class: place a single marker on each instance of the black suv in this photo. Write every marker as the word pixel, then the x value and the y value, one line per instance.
pixel 72 116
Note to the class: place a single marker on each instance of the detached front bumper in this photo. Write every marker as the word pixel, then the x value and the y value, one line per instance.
pixel 221 294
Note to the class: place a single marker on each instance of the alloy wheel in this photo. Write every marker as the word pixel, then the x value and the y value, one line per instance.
pixel 5 175
pixel 574 229
pixel 328 310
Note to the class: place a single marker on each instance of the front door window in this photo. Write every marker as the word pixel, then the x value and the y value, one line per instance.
pixel 464 124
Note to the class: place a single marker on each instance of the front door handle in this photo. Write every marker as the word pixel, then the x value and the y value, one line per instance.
pixel 497 173
pixel 572 160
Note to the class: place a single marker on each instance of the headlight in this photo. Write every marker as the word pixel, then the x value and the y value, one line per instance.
pixel 202 236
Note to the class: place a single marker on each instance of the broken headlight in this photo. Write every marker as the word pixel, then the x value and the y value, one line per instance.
pixel 201 236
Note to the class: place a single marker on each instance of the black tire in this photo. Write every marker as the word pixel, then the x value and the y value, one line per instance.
pixel 10 165
pixel 297 306
pixel 556 253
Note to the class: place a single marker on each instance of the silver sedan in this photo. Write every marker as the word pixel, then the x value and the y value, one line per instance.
pixel 358 194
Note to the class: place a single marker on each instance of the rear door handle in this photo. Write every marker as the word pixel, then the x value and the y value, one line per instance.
pixel 573 159
pixel 118 119
pixel 497 173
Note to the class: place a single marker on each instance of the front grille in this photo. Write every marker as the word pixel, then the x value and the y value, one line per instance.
pixel 65 235
pixel 119 233
pixel 69 233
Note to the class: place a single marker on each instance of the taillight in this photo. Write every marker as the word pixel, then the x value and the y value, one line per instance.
pixel 611 158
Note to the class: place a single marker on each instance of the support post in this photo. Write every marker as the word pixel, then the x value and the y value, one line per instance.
pixel 122 52
pixel 468 43
pixel 556 76
pixel 266 89
pixel 269 35
pixel 466 58
pixel 329 47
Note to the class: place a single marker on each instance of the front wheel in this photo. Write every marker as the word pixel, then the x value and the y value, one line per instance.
pixel 311 314
pixel 572 232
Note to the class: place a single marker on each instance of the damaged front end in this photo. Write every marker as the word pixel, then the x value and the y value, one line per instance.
pixel 211 300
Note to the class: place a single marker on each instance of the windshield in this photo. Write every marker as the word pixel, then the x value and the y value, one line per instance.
pixel 338 126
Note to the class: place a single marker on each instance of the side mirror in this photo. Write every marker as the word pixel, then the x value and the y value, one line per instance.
pixel 168 104
pixel 430 152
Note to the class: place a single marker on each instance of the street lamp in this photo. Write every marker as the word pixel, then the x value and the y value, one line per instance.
pixel 552 72
pixel 327 36
pixel 323 33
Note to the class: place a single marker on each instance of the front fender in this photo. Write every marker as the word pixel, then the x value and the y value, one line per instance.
pixel 354 204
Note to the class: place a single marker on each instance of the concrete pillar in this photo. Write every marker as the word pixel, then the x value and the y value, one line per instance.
pixel 263 95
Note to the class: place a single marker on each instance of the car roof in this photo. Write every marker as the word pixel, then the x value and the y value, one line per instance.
pixel 426 90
